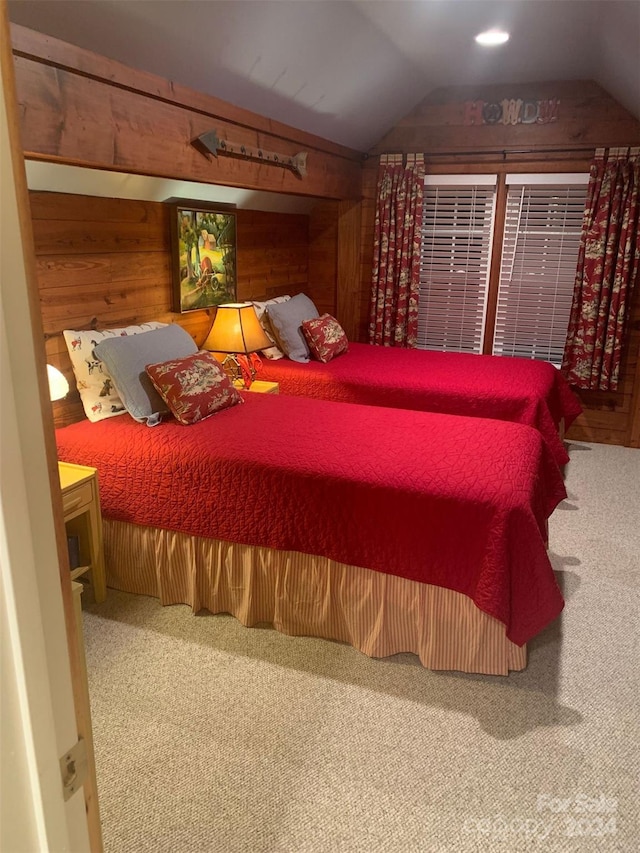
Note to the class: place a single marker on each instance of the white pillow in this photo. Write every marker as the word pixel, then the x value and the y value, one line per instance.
pixel 95 386
pixel 273 352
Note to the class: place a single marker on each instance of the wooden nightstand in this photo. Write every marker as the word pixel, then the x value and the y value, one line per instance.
pixel 81 507
pixel 260 386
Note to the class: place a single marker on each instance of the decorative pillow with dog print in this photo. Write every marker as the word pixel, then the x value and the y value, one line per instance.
pixel 95 386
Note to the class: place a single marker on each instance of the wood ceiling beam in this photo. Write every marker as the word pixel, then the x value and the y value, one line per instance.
pixel 84 109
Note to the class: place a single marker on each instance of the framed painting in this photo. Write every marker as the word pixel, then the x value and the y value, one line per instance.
pixel 203 240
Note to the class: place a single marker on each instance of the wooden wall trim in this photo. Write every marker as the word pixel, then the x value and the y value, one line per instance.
pixel 119 119
pixel 496 261
pixel 504 164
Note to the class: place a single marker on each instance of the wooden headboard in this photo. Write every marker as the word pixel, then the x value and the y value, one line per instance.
pixel 105 263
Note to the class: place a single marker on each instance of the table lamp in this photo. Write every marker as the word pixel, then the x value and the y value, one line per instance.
pixel 58 385
pixel 236 331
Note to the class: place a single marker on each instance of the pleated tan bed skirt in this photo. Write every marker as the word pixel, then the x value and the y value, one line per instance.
pixel 305 595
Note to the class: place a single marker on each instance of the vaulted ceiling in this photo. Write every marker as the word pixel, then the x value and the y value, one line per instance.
pixel 348 70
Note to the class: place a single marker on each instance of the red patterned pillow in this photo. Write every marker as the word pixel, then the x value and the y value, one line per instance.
pixel 194 388
pixel 326 337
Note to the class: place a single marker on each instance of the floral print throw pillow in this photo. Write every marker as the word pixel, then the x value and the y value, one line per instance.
pixel 326 337
pixel 194 388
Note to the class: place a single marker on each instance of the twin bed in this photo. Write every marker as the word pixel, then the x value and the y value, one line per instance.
pixel 389 529
pixel 509 389
pixel 404 509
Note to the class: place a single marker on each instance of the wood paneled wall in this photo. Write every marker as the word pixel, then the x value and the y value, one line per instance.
pixel 349 279
pixel 81 108
pixel 273 255
pixel 334 262
pixel 105 263
pixel 323 255
pixel 588 118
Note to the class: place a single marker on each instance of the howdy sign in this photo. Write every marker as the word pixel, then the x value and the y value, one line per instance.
pixel 511 111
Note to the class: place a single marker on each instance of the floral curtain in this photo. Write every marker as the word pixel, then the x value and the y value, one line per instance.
pixel 396 260
pixel 608 264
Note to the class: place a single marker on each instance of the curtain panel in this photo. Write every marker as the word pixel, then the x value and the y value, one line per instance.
pixel 607 271
pixel 397 246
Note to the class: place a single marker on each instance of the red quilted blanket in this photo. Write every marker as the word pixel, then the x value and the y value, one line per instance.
pixel 456 502
pixel 486 386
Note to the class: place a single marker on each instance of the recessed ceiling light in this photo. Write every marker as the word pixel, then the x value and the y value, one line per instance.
pixel 492 37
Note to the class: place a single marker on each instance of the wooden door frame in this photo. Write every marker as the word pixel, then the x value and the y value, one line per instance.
pixel 36 584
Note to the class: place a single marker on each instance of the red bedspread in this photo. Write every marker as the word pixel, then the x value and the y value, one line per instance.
pixel 486 386
pixel 457 502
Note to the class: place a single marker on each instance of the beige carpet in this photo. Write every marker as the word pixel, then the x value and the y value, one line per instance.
pixel 214 737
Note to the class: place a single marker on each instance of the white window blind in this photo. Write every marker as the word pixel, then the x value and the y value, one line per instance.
pixel 539 255
pixel 454 272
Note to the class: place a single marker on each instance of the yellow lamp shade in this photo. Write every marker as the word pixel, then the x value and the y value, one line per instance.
pixel 236 329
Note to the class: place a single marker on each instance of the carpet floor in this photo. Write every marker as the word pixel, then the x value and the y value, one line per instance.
pixel 214 737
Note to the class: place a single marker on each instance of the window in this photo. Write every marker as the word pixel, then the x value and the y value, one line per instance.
pixel 454 271
pixel 542 226
pixel 542 231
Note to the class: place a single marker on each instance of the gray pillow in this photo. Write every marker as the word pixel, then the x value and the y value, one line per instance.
pixel 286 320
pixel 126 359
